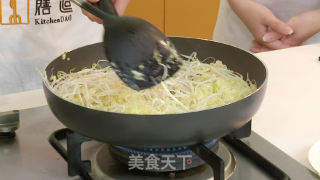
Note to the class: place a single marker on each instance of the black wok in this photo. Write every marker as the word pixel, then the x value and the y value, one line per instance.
pixel 168 130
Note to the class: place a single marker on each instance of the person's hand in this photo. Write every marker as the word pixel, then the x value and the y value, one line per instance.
pixel 120 6
pixel 260 20
pixel 304 25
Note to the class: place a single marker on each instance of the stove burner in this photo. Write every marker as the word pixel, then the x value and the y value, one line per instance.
pixel 9 122
pixel 182 150
pixel 104 166
pixel 182 158
pixel 220 164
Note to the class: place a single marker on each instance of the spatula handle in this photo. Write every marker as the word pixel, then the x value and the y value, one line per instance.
pixel 90 8
pixel 107 6
pixel 105 9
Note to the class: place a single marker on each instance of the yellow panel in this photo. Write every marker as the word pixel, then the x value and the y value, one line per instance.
pixel 150 10
pixel 191 18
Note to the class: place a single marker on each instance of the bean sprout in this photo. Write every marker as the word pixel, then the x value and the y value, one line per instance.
pixel 197 86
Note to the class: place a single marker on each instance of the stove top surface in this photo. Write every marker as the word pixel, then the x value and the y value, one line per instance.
pixel 31 155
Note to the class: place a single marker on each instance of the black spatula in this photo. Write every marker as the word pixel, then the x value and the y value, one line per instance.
pixel 140 53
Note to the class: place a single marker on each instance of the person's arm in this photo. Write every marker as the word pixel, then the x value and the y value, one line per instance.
pixel 260 20
pixel 120 6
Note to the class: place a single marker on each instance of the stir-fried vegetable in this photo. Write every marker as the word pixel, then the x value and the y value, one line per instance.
pixel 197 86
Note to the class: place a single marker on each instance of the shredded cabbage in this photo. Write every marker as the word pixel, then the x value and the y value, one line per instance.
pixel 197 86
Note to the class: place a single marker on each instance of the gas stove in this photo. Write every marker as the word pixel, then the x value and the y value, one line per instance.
pixel 30 156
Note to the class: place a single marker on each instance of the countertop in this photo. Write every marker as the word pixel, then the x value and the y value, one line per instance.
pixel 289 116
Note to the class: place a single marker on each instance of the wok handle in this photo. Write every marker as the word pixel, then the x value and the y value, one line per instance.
pixel 103 11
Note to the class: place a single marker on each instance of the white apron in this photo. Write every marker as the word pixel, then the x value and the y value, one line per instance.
pixel 34 32
pixel 230 29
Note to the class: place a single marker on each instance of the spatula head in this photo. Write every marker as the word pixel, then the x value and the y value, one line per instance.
pixel 141 54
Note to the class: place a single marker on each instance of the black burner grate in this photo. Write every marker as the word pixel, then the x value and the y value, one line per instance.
pixel 82 168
